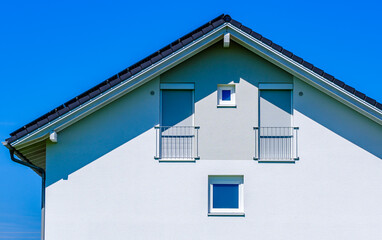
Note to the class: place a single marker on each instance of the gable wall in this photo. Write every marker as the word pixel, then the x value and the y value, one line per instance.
pixel 104 183
pixel 231 128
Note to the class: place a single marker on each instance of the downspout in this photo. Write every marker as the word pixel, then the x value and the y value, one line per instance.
pixel 24 161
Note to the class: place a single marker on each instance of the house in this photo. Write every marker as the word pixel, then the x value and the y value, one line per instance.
pixel 222 134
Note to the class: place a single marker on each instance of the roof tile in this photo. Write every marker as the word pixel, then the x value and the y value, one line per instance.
pixel 176 46
pixel 217 23
pixel 318 71
pixel 328 76
pixel 297 59
pixel 185 41
pixel 349 89
pixel 256 35
pixel 246 29
pixel 52 116
pixel 370 100
pixel 338 82
pixel 235 23
pixel 94 92
pixel 16 131
pixel 133 71
pixel 42 122
pixel 145 64
pixel 307 65
pixel 166 51
pixel 105 87
pixel 359 94
pixel 287 53
pixel 197 34
pixel 21 133
pixel 32 128
pixel 73 105
pixel 63 111
pixel 207 29
pixel 114 80
pixel 227 18
pixel 123 76
pixel 84 99
pixel 156 58
pixel 266 41
pixel 276 47
pixel 11 139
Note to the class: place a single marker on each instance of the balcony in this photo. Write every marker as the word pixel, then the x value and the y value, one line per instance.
pixel 276 144
pixel 176 143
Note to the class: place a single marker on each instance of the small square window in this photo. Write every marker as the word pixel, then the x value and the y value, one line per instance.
pixel 226 95
pixel 226 195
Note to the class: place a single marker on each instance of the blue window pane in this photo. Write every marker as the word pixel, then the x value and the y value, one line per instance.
pixel 225 196
pixel 226 95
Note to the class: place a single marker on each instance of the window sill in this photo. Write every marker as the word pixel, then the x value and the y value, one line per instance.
pixel 226 214
pixel 226 106
pixel 176 160
pixel 276 161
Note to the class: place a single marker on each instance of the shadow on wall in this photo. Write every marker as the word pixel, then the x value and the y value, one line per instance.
pixel 218 65
pixel 102 132
pixel 226 133
pixel 339 118
pixel 138 111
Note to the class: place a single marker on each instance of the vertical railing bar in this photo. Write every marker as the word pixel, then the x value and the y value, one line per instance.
pixel 181 143
pixel 176 150
pixel 297 143
pixel 278 131
pixel 172 142
pixel 160 142
pixel 281 154
pixel 284 143
pixel 266 139
pixel 293 143
pixel 281 131
pixel 272 142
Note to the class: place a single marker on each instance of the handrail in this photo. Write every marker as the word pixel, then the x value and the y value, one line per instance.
pixel 177 142
pixel 276 143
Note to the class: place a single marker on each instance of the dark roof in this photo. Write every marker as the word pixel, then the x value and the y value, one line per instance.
pixel 164 52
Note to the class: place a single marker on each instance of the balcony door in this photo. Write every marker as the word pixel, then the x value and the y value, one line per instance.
pixel 276 132
pixel 275 108
pixel 177 127
pixel 177 108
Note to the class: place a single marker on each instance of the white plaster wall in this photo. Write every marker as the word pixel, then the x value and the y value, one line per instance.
pixel 104 183
pixel 230 128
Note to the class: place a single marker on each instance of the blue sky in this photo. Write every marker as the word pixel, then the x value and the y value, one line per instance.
pixel 50 51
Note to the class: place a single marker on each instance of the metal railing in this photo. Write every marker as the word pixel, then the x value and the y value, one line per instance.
pixel 276 143
pixel 177 142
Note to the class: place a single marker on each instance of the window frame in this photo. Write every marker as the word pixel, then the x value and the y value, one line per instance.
pixel 225 103
pixel 226 179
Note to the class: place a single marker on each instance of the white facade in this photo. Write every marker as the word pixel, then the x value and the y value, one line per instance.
pixel 103 181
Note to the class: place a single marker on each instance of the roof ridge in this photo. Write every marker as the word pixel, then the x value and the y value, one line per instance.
pixel 164 52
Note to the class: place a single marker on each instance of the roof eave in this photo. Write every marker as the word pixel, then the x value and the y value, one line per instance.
pixel 305 74
pixel 122 88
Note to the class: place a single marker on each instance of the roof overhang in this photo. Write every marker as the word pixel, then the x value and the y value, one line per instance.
pixel 198 45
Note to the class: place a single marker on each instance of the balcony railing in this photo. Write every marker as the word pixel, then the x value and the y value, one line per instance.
pixel 177 143
pixel 276 143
